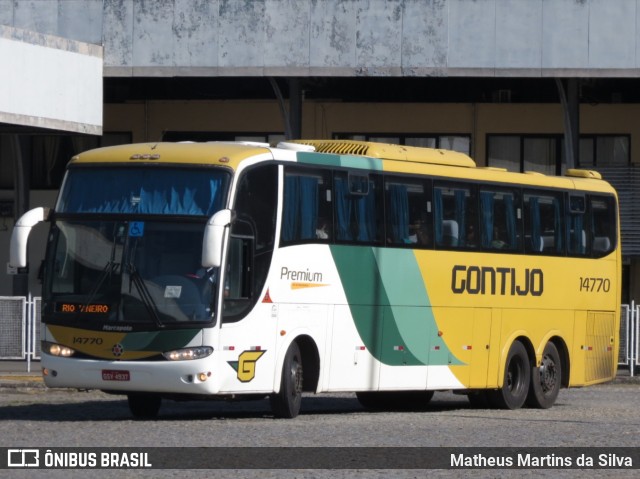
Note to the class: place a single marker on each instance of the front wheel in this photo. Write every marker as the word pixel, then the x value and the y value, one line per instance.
pixel 286 403
pixel 144 406
pixel 546 379
pixel 517 374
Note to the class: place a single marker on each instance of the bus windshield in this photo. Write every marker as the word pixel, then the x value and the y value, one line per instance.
pixel 148 191
pixel 103 271
pixel 126 246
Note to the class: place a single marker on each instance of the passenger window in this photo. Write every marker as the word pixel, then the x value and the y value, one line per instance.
pixel 543 221
pixel 576 226
pixel 455 218
pixel 500 214
pixel 307 215
pixel 408 209
pixel 603 224
pixel 358 208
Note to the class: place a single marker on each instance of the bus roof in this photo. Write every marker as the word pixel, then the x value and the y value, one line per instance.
pixel 391 152
pixel 214 153
pixel 422 160
pixel 388 157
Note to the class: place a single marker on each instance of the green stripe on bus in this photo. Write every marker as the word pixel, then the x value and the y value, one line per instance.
pixel 342 161
pixel 390 305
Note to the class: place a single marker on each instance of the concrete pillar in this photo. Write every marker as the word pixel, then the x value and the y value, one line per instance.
pixel 295 108
pixel 21 195
pixel 570 99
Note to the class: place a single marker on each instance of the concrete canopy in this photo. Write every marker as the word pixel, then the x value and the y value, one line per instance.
pixel 50 82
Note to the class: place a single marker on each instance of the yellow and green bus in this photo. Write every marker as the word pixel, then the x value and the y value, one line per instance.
pixel 241 270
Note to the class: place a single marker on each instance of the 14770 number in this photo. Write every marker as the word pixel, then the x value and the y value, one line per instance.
pixel 595 285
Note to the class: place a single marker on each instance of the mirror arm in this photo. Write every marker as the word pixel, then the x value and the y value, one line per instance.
pixel 20 235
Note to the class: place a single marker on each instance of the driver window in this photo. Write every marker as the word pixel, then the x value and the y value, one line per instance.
pixel 251 242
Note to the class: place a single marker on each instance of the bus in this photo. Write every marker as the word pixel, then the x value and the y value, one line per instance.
pixel 227 270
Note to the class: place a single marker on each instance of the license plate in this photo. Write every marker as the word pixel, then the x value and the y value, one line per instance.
pixel 115 375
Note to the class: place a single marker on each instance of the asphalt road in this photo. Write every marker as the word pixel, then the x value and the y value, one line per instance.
pixel 598 416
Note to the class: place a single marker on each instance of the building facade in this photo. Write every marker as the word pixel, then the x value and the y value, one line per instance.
pixel 537 85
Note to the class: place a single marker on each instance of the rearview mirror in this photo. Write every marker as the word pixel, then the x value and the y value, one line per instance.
pixel 20 235
pixel 214 237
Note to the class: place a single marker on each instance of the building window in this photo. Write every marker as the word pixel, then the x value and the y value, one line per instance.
pixel 460 143
pixel 545 153
pixel 540 155
pixel 604 150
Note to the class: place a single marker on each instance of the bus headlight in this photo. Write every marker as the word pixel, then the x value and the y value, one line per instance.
pixel 55 349
pixel 187 354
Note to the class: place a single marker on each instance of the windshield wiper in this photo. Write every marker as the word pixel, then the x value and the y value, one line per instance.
pixel 108 269
pixel 145 296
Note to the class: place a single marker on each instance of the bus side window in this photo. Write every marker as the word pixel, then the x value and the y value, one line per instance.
pixel 358 209
pixel 306 215
pixel 543 221
pixel 577 227
pixel 603 216
pixel 454 216
pixel 408 213
pixel 500 213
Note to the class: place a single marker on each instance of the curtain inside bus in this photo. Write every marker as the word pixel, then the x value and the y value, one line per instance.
pixel 536 237
pixel 512 231
pixel 355 213
pixel 461 215
pixel 300 207
pixel 486 209
pixel 399 199
pixel 437 214
pixel 150 191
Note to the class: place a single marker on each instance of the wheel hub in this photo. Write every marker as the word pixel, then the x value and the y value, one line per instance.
pixel 548 374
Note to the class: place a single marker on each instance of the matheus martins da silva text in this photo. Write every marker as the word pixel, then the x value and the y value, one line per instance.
pixel 547 460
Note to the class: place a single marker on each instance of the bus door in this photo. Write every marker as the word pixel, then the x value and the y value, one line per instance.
pixel 247 333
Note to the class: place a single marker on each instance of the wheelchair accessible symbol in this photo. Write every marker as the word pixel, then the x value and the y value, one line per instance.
pixel 136 228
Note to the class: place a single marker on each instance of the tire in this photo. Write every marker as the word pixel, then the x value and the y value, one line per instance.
pixel 144 406
pixel 286 403
pixel 394 401
pixel 517 377
pixel 546 379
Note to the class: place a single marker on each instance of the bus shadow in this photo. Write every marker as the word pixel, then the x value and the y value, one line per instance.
pixel 117 409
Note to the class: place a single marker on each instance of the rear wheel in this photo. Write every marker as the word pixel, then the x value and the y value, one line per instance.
pixel 286 403
pixel 394 400
pixel 517 374
pixel 545 379
pixel 144 406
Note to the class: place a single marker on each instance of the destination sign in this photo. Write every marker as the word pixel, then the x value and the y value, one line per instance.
pixel 82 308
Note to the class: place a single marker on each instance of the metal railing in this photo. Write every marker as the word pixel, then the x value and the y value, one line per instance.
pixel 20 328
pixel 628 354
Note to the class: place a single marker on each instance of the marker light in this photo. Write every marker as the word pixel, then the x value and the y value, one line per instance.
pixel 188 353
pixel 55 349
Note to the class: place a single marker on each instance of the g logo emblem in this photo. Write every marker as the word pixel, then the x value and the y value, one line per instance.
pixel 245 366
